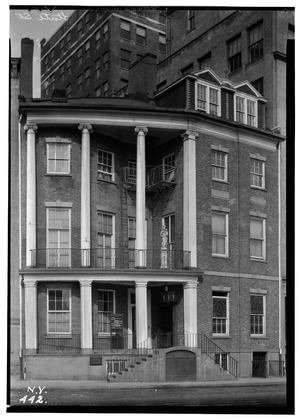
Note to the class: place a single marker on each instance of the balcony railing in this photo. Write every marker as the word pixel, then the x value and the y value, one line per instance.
pixel 155 175
pixel 111 258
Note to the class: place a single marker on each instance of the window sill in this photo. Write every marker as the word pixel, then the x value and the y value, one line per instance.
pixel 106 335
pixel 220 256
pixel 258 260
pixel 258 188
pixel 221 181
pixel 58 336
pixel 214 336
pixel 113 182
pixel 58 174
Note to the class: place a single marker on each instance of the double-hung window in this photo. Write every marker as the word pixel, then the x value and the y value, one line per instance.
pixel 125 58
pixel 79 55
pixel 204 61
pixel 79 83
pixel 52 57
pixel 105 165
pixel 257 315
pixel 191 19
pixel 59 311
pixel 97 38
pixel 87 49
pixel 169 168
pixel 98 67
pixel 58 158
pixel 58 237
pixel 69 66
pixel 105 61
pixel 162 42
pixel 106 307
pixel 219 234
pixel 257 238
pixel 79 28
pixel 131 241
pixel 219 166
pixel 257 173
pixel 105 88
pixel 141 35
pixel 62 71
pixel 208 99
pixel 62 46
pixel 255 37
pixel 246 111
pixel 106 241
pixel 68 40
pixel 234 54
pixel 87 75
pixel 220 318
pixel 105 32
pixel 131 172
pixel 125 29
pixel 169 223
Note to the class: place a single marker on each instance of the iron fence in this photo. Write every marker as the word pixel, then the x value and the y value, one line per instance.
pixel 111 258
pixel 59 344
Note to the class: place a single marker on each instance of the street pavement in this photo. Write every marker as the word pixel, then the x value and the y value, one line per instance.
pixel 252 393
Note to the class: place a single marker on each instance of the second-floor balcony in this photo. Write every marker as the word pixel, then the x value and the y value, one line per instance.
pixel 111 258
pixel 163 175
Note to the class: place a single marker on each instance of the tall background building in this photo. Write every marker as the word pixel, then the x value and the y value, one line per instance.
pixel 91 53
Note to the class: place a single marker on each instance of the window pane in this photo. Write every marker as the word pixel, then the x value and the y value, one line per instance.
pixel 256 248
pixel 218 245
pixel 256 229
pixel 219 224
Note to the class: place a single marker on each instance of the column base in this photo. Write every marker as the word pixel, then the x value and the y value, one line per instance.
pixel 87 351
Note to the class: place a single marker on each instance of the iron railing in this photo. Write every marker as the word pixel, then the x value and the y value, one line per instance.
pixel 155 175
pixel 220 357
pixel 111 258
pixel 59 344
pixel 259 368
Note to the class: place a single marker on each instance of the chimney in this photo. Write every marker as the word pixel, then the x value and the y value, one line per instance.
pixel 142 77
pixel 26 68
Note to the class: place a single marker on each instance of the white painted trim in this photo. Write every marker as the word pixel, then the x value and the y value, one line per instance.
pixel 105 334
pixel 264 317
pixel 49 143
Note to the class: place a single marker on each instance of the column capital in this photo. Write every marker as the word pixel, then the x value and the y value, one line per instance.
pixel 85 283
pixel 29 282
pixel 190 285
pixel 137 130
pixel 88 127
pixel 141 283
pixel 28 127
pixel 190 135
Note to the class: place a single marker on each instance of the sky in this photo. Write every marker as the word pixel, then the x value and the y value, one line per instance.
pixel 35 23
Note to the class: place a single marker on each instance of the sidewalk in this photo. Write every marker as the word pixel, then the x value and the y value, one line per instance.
pixel 17 384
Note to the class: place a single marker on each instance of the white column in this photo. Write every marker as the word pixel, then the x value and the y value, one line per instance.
pixel 30 195
pixel 141 314
pixel 140 197
pixel 85 194
pixel 189 195
pixel 30 316
pixel 190 314
pixel 86 315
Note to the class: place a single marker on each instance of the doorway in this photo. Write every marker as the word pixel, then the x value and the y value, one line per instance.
pixel 259 364
pixel 165 329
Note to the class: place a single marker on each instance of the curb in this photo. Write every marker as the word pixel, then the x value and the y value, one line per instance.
pixel 71 385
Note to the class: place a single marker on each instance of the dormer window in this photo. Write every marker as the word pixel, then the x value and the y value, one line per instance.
pixel 246 110
pixel 208 99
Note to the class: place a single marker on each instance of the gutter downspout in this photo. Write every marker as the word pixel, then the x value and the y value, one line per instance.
pixel 279 260
pixel 20 251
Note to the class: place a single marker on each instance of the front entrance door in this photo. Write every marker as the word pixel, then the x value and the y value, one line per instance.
pixel 165 338
pixel 259 364
pixel 181 366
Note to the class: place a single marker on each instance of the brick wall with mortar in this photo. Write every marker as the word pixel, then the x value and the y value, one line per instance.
pixel 239 201
pixel 239 312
